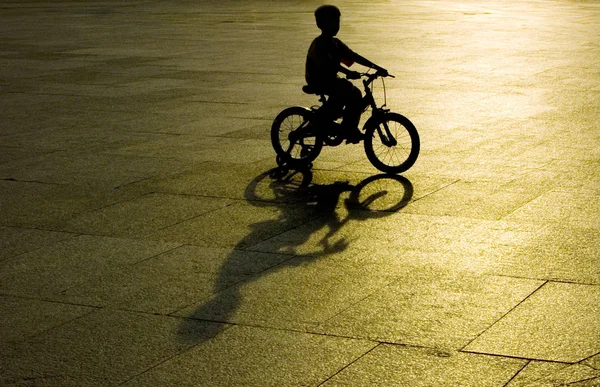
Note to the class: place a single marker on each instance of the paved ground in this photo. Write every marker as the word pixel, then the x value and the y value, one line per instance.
pixel 142 242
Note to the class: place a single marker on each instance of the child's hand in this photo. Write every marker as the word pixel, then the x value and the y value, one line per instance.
pixel 383 72
pixel 353 75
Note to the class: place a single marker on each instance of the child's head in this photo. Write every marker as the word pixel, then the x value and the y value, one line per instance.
pixel 328 19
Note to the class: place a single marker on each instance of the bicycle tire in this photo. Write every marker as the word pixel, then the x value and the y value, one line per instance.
pixel 399 156
pixel 288 124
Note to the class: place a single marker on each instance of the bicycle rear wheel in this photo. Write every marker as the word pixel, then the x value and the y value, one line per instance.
pixel 294 138
pixel 392 143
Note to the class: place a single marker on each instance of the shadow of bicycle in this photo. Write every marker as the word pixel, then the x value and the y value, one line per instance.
pixel 326 209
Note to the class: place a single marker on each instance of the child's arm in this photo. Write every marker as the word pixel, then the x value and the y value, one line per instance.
pixel 349 57
pixel 367 63
pixel 349 73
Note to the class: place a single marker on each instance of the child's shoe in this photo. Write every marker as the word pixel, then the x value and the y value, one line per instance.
pixel 354 137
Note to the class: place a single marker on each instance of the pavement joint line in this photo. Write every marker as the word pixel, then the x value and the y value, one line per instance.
pixel 156 255
pixel 589 379
pixel 298 225
pixel 235 201
pixel 503 316
pixel 542 279
pixel 71 236
pixel 68 321
pixel 433 192
pixel 349 364
pixel 559 281
pixel 517 373
pixel 43 299
pixel 164 360
pixel 295 330
pixel 133 182
pixel 588 358
pixel 438 351
pixel 517 357
pixel 12 179
pixel 388 283
pixel 217 102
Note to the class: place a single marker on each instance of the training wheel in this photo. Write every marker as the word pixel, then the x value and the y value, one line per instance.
pixel 279 173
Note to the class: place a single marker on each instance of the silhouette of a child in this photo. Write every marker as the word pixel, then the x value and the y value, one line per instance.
pixel 323 62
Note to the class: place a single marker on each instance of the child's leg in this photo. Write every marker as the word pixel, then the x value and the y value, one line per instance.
pixel 351 97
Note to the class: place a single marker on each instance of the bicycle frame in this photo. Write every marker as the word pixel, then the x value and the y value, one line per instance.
pixel 369 101
pixel 386 138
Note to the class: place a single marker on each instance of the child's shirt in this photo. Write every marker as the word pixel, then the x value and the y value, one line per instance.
pixel 323 61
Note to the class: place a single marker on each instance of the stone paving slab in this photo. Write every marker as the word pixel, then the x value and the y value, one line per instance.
pixel 240 225
pixel 16 240
pixel 173 280
pixel 106 346
pixel 252 356
pixel 556 374
pixel 54 269
pixel 38 205
pixel 389 365
pixel 143 242
pixel 449 310
pixel 557 323
pixel 24 318
pixel 143 215
pixel 283 297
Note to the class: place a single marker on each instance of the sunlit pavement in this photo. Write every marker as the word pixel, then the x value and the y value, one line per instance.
pixel 143 243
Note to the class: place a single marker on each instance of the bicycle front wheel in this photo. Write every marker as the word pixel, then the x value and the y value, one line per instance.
pixel 294 138
pixel 392 143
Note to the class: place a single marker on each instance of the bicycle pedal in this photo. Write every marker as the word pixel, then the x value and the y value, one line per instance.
pixel 354 138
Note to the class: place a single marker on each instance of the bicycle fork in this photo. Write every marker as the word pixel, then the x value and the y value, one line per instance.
pixel 386 136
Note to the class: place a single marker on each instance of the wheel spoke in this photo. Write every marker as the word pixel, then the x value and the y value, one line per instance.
pixel 292 137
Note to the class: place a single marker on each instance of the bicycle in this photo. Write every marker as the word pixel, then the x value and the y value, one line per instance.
pixel 298 134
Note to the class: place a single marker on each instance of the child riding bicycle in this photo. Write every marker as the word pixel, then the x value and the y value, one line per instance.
pixel 323 62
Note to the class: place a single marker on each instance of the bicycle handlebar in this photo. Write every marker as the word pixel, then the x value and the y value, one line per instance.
pixel 376 75
pixel 370 77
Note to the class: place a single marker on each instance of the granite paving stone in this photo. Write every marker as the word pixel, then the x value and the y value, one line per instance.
pixel 109 346
pixel 572 375
pixel 283 297
pixel 35 204
pixel 54 269
pixel 593 361
pixel 389 365
pixel 172 280
pixel 470 199
pixel 22 318
pixel 143 215
pixel 239 225
pixel 243 356
pixel 534 371
pixel 16 240
pixel 557 323
pixel 55 139
pixel 90 169
pixel 224 180
pixel 448 310
pixel 579 207
pixel 8 154
pixel 388 231
pixel 554 253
